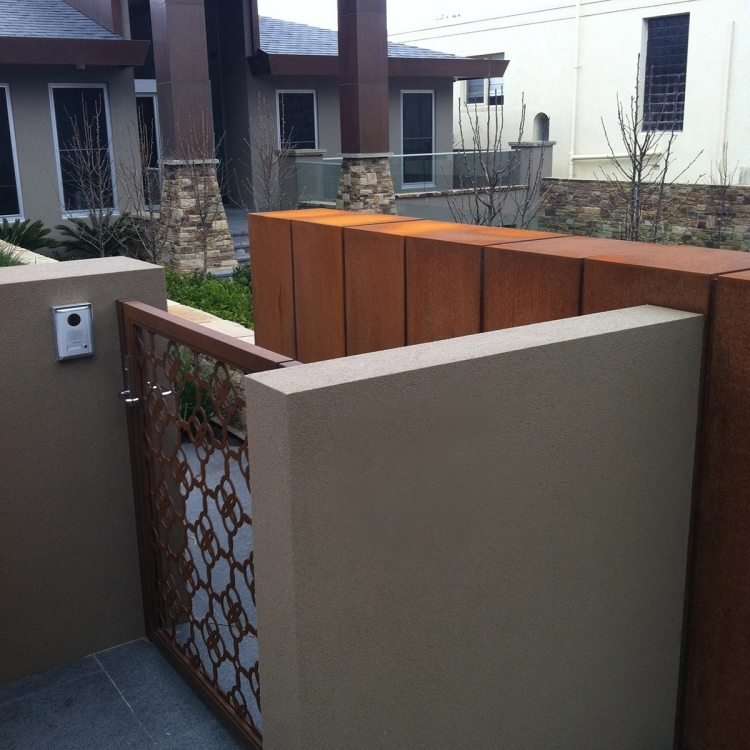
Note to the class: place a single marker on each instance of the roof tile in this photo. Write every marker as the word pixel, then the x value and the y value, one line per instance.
pixel 48 18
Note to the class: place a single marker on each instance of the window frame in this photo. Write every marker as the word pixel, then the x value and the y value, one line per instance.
pixel 157 134
pixel 483 101
pixel 401 124
pixel 315 116
pixel 486 96
pixel 83 213
pixel 649 117
pixel 14 152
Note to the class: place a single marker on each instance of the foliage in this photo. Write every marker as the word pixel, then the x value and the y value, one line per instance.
pixel 230 299
pixel 9 257
pixel 25 234
pixel 97 236
pixel 193 399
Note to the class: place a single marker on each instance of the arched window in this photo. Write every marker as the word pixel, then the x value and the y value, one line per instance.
pixel 541 127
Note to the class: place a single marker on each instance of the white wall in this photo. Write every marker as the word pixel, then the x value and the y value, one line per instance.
pixel 539 40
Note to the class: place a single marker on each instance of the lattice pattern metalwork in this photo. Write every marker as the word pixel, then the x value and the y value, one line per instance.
pixel 196 520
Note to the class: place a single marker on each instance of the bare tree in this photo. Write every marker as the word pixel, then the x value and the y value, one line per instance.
pixel 89 186
pixel 197 156
pixel 503 188
pixel 268 160
pixel 140 186
pixel 640 179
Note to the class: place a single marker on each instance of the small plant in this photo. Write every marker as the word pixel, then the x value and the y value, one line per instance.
pixel 97 237
pixel 9 257
pixel 26 234
pixel 230 299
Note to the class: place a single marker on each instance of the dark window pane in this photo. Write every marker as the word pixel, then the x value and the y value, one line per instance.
pixel 149 146
pixel 495 89
pixel 83 142
pixel 475 91
pixel 666 68
pixel 417 126
pixel 297 119
pixel 146 106
pixel 8 188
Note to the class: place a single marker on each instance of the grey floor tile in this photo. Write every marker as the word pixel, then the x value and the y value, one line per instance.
pixel 79 714
pixel 168 708
pixel 48 680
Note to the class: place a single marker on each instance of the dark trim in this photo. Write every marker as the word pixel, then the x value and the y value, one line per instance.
pixel 264 64
pixel 441 67
pixel 15 50
pixel 294 65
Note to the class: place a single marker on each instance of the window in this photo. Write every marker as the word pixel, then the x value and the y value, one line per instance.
pixel 148 135
pixel 541 127
pixel 666 68
pixel 475 91
pixel 489 90
pixel 82 141
pixel 417 135
pixel 10 202
pixel 297 118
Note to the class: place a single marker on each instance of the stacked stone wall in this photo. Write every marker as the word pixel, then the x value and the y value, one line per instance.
pixel 366 185
pixel 705 215
pixel 193 212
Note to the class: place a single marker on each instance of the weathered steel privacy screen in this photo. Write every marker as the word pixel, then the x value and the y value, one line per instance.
pixel 191 470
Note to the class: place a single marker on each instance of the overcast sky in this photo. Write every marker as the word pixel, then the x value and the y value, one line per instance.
pixel 403 15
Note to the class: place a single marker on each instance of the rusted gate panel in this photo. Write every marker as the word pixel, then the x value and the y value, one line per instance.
pixel 194 513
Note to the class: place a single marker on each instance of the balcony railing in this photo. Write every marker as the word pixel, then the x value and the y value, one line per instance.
pixel 317 179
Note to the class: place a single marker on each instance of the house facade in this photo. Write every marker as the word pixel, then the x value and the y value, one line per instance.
pixel 209 65
pixel 55 63
pixel 571 62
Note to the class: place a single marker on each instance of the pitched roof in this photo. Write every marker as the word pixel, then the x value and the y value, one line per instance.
pixel 53 19
pixel 279 37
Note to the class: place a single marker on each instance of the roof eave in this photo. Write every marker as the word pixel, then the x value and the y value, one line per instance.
pixel 264 64
pixel 15 50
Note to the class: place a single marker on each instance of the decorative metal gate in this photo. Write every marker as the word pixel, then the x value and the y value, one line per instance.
pixel 191 473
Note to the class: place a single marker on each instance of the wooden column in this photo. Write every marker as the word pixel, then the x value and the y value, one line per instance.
pixel 184 90
pixel 363 88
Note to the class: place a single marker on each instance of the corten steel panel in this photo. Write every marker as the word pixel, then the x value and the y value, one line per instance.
pixel 469 234
pixel 640 273
pixel 535 281
pixel 318 258
pixel 272 274
pixel 444 278
pixel 374 283
pixel 443 289
pixel 374 292
pixel 718 651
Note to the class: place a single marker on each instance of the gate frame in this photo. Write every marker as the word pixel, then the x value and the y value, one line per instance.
pixel 235 353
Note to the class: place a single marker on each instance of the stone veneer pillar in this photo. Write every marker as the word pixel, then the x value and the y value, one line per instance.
pixel 192 209
pixel 366 185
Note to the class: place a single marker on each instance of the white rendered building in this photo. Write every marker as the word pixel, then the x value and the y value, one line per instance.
pixel 571 59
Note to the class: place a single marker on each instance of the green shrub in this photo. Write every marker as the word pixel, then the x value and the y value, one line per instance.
pixel 97 237
pixel 230 299
pixel 10 257
pixel 25 234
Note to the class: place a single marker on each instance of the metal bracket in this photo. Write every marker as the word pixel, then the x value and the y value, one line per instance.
pixel 127 394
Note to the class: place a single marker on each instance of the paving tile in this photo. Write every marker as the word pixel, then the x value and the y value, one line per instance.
pixel 49 680
pixel 165 704
pixel 79 714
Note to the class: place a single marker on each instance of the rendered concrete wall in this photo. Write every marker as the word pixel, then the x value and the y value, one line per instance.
pixel 70 583
pixel 28 87
pixel 480 542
